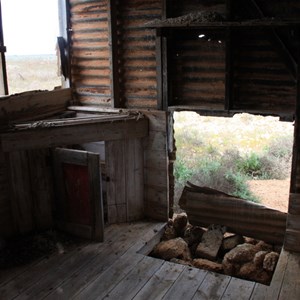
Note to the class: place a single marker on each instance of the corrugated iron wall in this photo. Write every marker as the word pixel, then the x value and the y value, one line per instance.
pixel 90 51
pixel 261 80
pixel 197 67
pixel 197 70
pixel 138 84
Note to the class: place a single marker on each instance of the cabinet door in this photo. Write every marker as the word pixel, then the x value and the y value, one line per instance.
pixel 79 205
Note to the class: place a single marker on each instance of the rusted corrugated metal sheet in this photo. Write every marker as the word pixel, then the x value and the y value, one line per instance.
pixel 262 81
pixel 90 51
pixel 197 70
pixel 138 55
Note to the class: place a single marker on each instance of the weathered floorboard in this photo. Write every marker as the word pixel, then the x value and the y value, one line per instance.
pixel 238 289
pixel 160 283
pixel 116 269
pixel 190 278
pixel 212 287
pixel 136 279
pixel 89 273
pixel 291 282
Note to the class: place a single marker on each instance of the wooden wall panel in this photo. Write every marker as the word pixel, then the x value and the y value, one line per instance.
pixel 90 52
pixel 31 190
pixel 6 221
pixel 20 189
pixel 156 196
pixel 138 86
pixel 125 186
pixel 41 182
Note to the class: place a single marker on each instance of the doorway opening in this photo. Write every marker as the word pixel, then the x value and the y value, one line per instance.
pixel 246 156
pixel 30 30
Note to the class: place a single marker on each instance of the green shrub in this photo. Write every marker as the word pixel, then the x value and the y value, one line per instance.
pixel 250 165
pixel 276 162
pixel 241 189
pixel 182 173
pixel 224 177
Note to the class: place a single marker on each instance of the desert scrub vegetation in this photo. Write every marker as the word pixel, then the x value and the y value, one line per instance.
pixel 224 153
pixel 32 72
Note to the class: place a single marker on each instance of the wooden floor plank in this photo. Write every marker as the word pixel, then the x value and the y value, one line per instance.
pixel 291 283
pixel 107 280
pixel 116 270
pixel 186 284
pixel 19 284
pixel 212 287
pixel 265 292
pixel 238 289
pixel 43 271
pixel 135 280
pixel 84 276
pixel 9 274
pixel 15 273
pixel 160 283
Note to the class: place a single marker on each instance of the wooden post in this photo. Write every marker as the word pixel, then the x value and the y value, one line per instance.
pixel 292 235
pixel 114 55
pixel 162 62
pixel 229 60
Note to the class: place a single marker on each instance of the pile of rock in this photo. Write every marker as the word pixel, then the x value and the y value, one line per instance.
pixel 216 250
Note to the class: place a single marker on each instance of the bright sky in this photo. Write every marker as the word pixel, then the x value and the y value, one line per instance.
pixel 30 26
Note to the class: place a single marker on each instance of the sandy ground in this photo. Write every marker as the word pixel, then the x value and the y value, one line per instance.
pixel 273 193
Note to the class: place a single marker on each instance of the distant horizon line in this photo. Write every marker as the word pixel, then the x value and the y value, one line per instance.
pixel 35 54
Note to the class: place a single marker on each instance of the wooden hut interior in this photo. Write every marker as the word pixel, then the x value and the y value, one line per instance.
pixel 94 157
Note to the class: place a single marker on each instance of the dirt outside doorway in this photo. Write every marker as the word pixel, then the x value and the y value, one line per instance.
pixel 272 193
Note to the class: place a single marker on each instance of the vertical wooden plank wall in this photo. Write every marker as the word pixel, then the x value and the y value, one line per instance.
pixel 21 200
pixel 125 186
pixel 41 183
pixel 116 188
pixel 156 167
pixel 31 190
pixel 6 222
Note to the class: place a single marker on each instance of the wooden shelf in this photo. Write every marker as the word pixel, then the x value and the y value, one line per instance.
pixel 224 24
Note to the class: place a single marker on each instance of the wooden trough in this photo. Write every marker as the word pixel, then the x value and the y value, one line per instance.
pixel 205 206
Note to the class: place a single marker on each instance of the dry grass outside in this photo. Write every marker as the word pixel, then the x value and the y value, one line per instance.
pixel 224 153
pixel 32 72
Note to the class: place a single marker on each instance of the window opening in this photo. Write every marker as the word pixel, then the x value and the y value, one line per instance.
pixel 30 34
pixel 247 156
